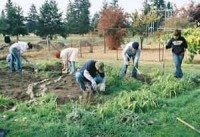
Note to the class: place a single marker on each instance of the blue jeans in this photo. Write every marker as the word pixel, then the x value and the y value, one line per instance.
pixel 80 79
pixel 72 66
pixel 177 62
pixel 15 57
pixel 125 67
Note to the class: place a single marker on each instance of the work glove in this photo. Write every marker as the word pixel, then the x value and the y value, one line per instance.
pixel 103 87
pixel 94 85
pixel 126 62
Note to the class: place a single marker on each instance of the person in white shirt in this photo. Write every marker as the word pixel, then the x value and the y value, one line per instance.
pixel 69 56
pixel 16 50
pixel 131 51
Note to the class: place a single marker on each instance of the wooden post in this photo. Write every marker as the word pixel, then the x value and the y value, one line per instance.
pixel 159 53
pixel 117 53
pixel 104 41
pixel 47 39
pixel 80 49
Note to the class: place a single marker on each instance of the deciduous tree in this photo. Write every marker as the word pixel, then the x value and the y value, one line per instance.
pixel 112 24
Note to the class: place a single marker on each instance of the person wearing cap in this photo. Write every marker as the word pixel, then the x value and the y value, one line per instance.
pixel 16 51
pixel 91 72
pixel 130 52
pixel 69 56
pixel 179 46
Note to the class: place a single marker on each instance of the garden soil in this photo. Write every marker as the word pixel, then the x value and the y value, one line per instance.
pixel 15 85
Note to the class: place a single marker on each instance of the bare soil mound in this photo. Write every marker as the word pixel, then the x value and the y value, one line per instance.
pixel 15 85
pixel 66 89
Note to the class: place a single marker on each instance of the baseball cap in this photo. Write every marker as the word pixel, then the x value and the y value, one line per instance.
pixel 135 45
pixel 100 66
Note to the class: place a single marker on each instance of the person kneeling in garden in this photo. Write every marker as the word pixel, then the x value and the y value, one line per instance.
pixel 131 51
pixel 178 45
pixel 92 72
pixel 69 57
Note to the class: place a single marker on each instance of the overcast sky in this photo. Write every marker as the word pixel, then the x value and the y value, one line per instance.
pixel 96 5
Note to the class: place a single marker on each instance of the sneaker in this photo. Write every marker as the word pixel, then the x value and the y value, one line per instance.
pixel 65 72
pixel 72 73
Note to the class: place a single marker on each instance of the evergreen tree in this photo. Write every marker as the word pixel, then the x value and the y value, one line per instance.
pixel 94 21
pixel 71 19
pixel 146 6
pixel 77 17
pixel 83 20
pixel 32 19
pixel 3 24
pixel 159 4
pixel 169 5
pixel 114 3
pixel 15 20
pixel 50 20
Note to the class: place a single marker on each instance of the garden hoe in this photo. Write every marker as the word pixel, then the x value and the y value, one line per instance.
pixel 188 125
pixel 164 59
pixel 138 71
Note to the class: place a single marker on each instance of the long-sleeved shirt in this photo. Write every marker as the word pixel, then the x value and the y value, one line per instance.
pixel 129 51
pixel 69 54
pixel 178 45
pixel 21 46
pixel 90 67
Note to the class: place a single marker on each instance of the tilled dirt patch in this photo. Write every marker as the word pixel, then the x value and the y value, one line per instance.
pixel 66 89
pixel 15 85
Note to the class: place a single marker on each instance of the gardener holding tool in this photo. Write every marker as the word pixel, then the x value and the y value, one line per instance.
pixel 69 57
pixel 16 51
pixel 91 72
pixel 131 51
pixel 178 45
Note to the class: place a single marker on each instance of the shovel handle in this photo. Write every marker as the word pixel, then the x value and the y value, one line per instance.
pixel 188 125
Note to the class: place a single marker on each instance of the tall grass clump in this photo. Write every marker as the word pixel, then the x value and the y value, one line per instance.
pixel 6 103
pixel 167 86
pixel 115 84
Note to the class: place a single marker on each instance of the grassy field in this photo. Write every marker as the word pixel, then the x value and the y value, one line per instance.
pixel 128 108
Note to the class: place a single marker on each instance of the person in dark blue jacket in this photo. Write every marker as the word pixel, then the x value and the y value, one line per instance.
pixel 179 46
pixel 92 72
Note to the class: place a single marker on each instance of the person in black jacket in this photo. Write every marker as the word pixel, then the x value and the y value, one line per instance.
pixel 179 46
pixel 92 72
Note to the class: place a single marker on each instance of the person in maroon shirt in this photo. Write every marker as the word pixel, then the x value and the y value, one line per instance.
pixel 178 45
